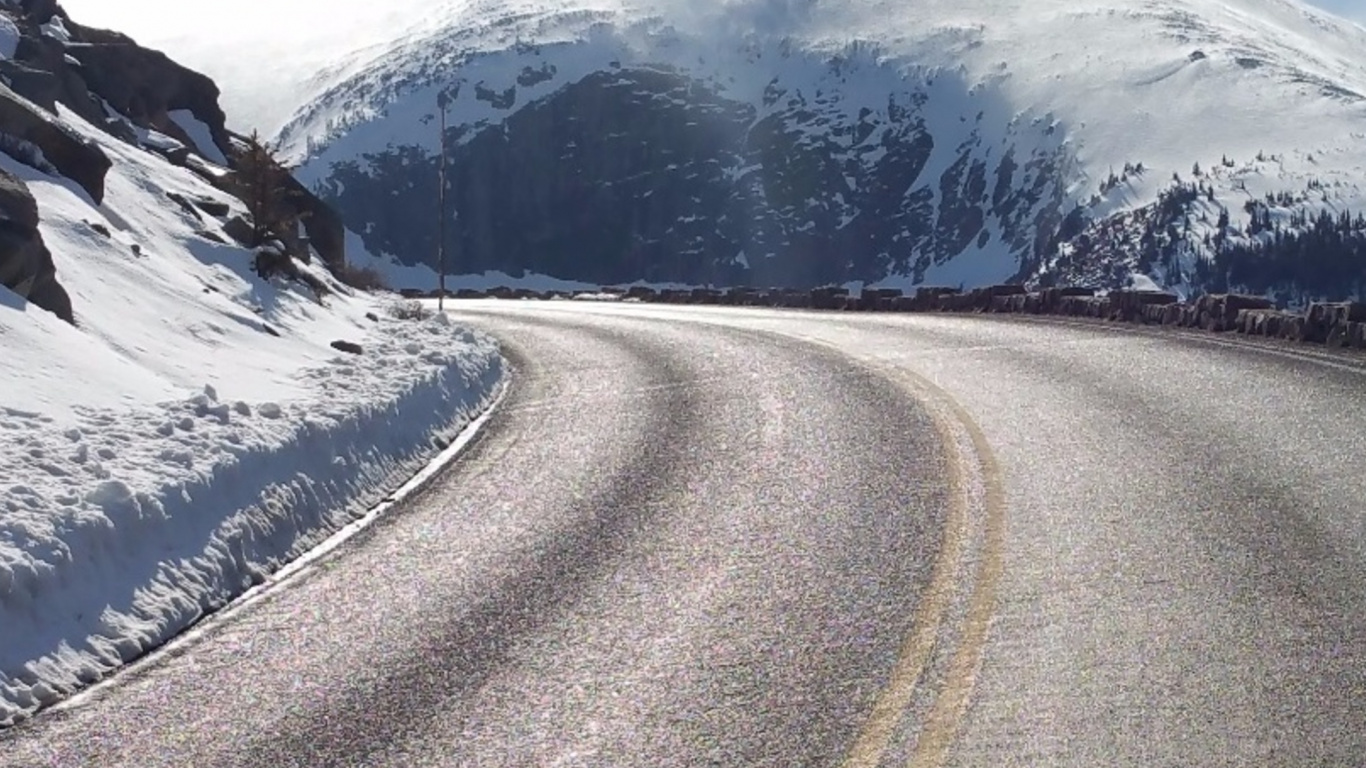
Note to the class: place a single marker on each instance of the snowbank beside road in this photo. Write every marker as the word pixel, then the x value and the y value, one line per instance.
pixel 196 429
pixel 121 530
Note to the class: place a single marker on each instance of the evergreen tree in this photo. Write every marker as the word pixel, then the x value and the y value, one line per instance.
pixel 262 185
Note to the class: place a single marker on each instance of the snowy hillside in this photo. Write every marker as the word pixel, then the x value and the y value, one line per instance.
pixel 193 427
pixel 936 140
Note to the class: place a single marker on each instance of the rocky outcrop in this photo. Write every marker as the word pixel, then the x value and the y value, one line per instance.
pixel 48 85
pixel 86 68
pixel 26 266
pixel 41 72
pixel 326 232
pixel 146 85
pixel 71 156
pixel 40 11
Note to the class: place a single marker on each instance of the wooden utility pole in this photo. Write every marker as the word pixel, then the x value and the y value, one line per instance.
pixel 441 202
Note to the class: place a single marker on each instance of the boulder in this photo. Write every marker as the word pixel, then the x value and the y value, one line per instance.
pixel 25 263
pixel 1083 306
pixel 73 157
pixel 930 298
pixel 1153 314
pixel 796 299
pixel 1329 320
pixel 41 11
pixel 829 297
pixel 37 85
pixel 985 299
pixel 741 297
pixel 1293 328
pixel 1012 304
pixel 17 206
pixel 215 208
pixel 42 73
pixel 185 204
pixel 349 347
pixel 1356 335
pixel 1219 312
pixel 175 153
pixel 1171 314
pixel 1050 299
pixel 1257 322
pixel 1339 336
pixel 1127 305
pixel 1005 290
pixel 239 229
pixel 704 296
pixel 878 299
pixel 323 225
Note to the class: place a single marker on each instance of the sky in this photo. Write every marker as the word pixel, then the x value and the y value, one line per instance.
pixel 225 40
pixel 1351 9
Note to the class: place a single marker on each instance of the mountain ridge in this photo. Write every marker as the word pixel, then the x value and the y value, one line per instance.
pixel 1097 86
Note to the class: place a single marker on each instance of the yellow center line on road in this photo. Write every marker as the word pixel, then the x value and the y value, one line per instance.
pixel 896 696
pixel 941 729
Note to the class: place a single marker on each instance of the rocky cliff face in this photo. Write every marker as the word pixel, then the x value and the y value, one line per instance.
pixel 647 174
pixel 26 265
pixel 818 170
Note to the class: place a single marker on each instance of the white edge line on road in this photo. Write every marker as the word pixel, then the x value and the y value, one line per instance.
pixel 297 567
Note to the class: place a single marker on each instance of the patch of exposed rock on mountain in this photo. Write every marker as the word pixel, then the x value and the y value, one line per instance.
pixel 53 71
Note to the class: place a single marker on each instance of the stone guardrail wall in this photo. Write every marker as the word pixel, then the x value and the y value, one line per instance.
pixel 1337 324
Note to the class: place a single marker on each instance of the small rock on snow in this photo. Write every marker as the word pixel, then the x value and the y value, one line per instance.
pixel 347 346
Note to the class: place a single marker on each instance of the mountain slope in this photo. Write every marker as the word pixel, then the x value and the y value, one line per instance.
pixel 808 142
pixel 176 425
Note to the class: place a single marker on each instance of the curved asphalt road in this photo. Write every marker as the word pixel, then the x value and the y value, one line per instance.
pixel 707 536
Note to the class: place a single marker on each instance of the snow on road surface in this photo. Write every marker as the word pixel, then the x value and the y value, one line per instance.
pixel 197 430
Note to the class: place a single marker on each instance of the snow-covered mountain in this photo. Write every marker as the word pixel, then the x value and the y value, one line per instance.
pixel 808 141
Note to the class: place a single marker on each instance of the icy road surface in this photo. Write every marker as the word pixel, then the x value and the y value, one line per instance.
pixel 708 536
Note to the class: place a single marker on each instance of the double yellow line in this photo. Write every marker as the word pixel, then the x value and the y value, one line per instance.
pixel 941 726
